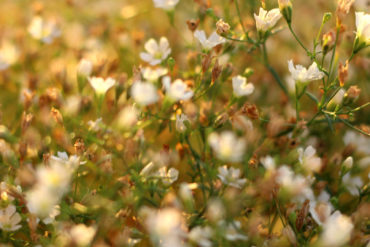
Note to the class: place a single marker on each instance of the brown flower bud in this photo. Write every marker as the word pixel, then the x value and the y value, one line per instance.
pixel 327 42
pixel 222 27
pixel 216 71
pixel 79 146
pixel 192 24
pixel 251 111
pixel 26 121
pixel 343 73
pixel 57 115
pixel 207 59
pixel 351 95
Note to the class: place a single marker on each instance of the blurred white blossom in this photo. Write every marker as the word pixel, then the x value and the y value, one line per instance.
pixel 156 53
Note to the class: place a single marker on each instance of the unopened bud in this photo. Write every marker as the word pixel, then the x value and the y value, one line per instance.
pixel 327 42
pixel 351 95
pixel 248 72
pixel 222 27
pixel 348 163
pixel 343 73
pixel 216 71
pixel 192 24
pixel 285 7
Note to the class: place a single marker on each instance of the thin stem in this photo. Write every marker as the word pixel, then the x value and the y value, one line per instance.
pixel 240 17
pixel 298 40
pixel 333 54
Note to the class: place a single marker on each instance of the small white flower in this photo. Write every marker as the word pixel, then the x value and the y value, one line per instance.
pixel 9 219
pixel 127 117
pixel 8 55
pixel 201 235
pixel 359 141
pixel 266 20
pixel 231 176
pixel 178 90
pixel 303 75
pixel 227 146
pixel 352 184
pixel 268 162
pixel 180 119
pixel 85 67
pixel 363 27
pixel 309 160
pixel 153 75
pixel 100 85
pixel 233 231
pixel 46 31
pixel 337 99
pixel 167 177
pixel 165 4
pixel 241 87
pixel 51 217
pixel 144 93
pixel 348 162
pixel 321 208
pixel 41 202
pixel 156 53
pixel 55 177
pixel 211 42
pixel 82 235
pixel 337 230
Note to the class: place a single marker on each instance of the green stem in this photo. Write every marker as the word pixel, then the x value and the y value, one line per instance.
pixel 299 41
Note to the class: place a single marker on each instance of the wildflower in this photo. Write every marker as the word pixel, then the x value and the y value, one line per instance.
pixel 70 162
pixel 222 27
pixel 232 231
pixel 352 184
pixel 302 75
pixel 85 67
pixel 337 230
pixel 241 87
pixel 127 117
pixel 211 42
pixel 309 160
pixel 227 146
pixel 156 53
pixel 46 31
pixel 9 219
pixel 268 162
pixel 82 235
pixel 51 217
pixel 153 75
pixel 100 85
pixel 180 119
pixel 41 202
pixel 231 177
pixel 178 90
pixel 351 95
pixel 358 141
pixel 266 20
pixel 167 177
pixel 8 55
pixel 201 235
pixel 144 93
pixel 363 31
pixel 321 209
pixel 165 227
pixel 165 4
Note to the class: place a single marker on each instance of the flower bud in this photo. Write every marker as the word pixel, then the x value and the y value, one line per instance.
pixel 351 95
pixel 337 100
pixel 348 163
pixel 285 7
pixel 222 27
pixel 343 73
pixel 327 42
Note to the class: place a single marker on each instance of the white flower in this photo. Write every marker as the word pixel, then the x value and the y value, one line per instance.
pixel 348 162
pixel 51 217
pixel 266 20
pixel 9 219
pixel 337 99
pixel 201 235
pixel 82 235
pixel 100 85
pixel 359 141
pixel 46 31
pixel 178 90
pixel 71 162
pixel 241 87
pixel 321 208
pixel 233 231
pixel 8 55
pixel 85 67
pixel 231 176
pixel 165 4
pixel 309 160
pixel 153 75
pixel 180 119
pixel 144 93
pixel 211 42
pixel 165 227
pixel 363 27
pixel 185 191
pixel 167 177
pixel 227 146
pixel 352 184
pixel 41 202
pixel 156 53
pixel 55 177
pixel 301 74
pixel 337 230
pixel 268 162
pixel 127 117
